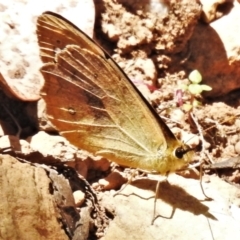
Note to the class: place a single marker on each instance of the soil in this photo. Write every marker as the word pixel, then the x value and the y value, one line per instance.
pixel 216 121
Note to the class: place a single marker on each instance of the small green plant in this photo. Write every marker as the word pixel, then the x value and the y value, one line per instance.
pixel 194 88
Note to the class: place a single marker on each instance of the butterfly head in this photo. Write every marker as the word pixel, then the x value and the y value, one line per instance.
pixel 176 157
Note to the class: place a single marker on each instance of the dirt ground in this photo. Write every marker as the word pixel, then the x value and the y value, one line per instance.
pixel 152 57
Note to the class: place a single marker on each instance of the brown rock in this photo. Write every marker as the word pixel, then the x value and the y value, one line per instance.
pixel 27 209
pixel 214 9
pixel 102 164
pixel 82 168
pixel 214 51
pixel 113 181
pixel 20 62
pixel 55 146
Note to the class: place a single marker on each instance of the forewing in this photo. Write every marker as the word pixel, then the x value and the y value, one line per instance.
pixel 55 33
pixel 91 101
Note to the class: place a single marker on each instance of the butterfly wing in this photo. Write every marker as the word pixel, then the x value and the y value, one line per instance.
pixel 55 33
pixel 92 102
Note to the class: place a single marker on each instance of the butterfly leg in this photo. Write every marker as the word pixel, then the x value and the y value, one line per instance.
pixel 155 200
pixel 128 182
pixel 201 174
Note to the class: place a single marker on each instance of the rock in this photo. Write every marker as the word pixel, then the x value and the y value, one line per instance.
pixel 177 115
pixel 55 146
pixel 129 25
pixel 237 147
pixel 20 61
pixel 214 52
pixel 113 181
pixel 81 167
pixel 63 197
pixel 99 163
pixel 38 111
pixel 184 213
pixel 79 198
pixel 38 203
pixel 14 144
pixel 27 208
pixel 148 70
pixel 214 9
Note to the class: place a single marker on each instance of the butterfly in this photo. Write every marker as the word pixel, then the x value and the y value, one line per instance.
pixel 94 105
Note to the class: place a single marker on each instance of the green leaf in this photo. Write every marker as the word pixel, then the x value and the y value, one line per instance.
pixel 183 87
pixel 187 107
pixel 195 76
pixel 196 103
pixel 195 89
pixel 206 87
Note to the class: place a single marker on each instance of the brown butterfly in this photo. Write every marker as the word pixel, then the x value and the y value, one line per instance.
pixel 96 107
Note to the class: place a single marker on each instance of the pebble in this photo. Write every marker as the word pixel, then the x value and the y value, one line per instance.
pixel 237 147
pixel 79 198
pixel 113 181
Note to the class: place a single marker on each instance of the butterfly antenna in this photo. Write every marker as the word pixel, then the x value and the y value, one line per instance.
pixel 199 128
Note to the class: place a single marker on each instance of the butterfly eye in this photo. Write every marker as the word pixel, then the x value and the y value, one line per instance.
pixel 180 151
